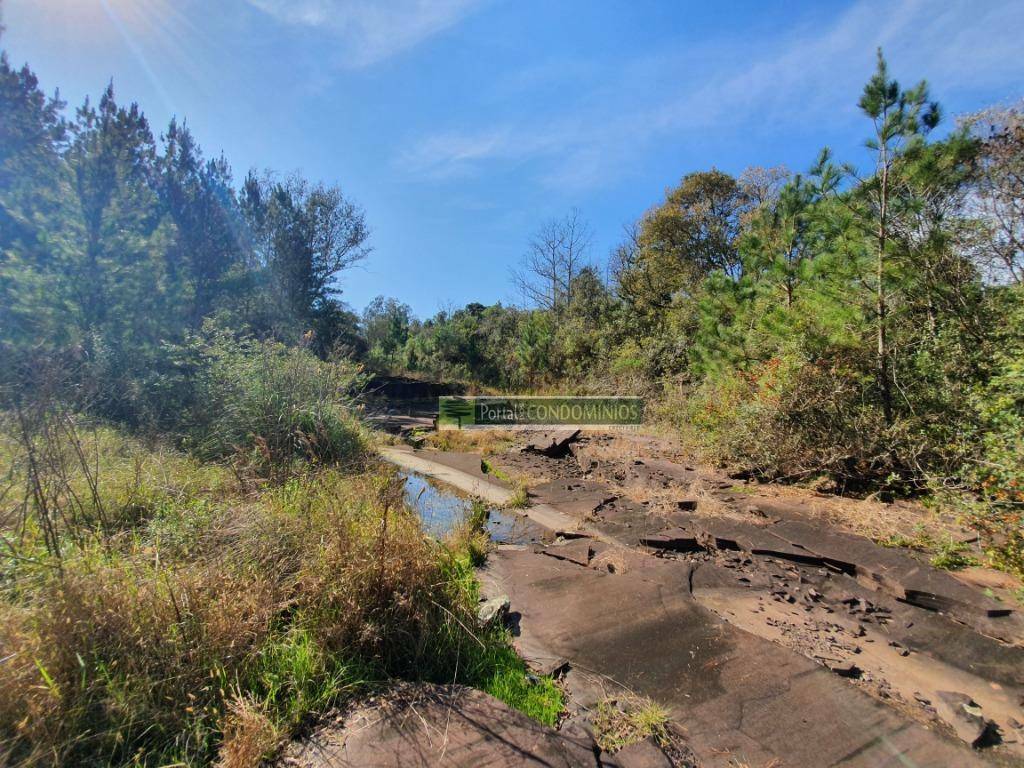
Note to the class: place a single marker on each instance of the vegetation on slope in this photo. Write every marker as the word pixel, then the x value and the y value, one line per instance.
pixel 159 610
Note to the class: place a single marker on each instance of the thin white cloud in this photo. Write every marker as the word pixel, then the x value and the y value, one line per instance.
pixel 796 79
pixel 456 149
pixel 371 30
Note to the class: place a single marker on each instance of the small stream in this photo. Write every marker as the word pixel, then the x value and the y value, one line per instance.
pixel 442 510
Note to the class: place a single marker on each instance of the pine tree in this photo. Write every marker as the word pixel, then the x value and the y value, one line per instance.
pixel 901 119
pixel 200 199
pixel 34 211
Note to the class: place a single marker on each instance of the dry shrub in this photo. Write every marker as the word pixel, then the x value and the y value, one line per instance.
pixel 145 587
pixel 273 408
pixel 139 653
pixel 372 581
pixel 628 720
pixel 124 649
pixel 789 419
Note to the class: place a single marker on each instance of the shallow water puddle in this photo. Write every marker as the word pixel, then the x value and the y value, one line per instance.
pixel 442 510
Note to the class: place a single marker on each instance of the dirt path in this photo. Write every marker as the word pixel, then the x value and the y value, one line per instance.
pixel 772 633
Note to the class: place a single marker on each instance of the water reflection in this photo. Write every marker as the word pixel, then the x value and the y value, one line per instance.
pixel 442 510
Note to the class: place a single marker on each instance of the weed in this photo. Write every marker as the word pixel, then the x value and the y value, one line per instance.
pixel 507 679
pixel 271 408
pixel 897 541
pixel 951 556
pixel 209 617
pixel 491 664
pixel 489 468
pixel 250 735
pixel 520 498
pixel 752 489
pixel 619 723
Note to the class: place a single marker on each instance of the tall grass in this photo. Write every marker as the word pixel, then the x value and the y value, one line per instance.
pixel 272 406
pixel 217 618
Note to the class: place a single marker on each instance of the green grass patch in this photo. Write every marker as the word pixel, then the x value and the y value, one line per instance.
pixel 952 555
pixel 510 681
pixel 491 663
pixel 750 490
pixel 489 468
pixel 520 498
pixel 180 616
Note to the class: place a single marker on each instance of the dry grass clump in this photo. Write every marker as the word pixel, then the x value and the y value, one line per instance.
pixel 157 611
pixel 613 560
pixel 90 480
pixel 484 441
pixel 250 735
pixel 621 722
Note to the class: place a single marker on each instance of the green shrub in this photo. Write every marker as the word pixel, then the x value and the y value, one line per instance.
pixel 270 406
pixel 952 555
pixel 994 448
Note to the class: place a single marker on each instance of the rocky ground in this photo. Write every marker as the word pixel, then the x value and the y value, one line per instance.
pixel 763 619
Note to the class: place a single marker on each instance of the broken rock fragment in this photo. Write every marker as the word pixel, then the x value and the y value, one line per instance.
pixel 966 718
pixel 493 610
pixel 554 444
pixel 574 550
pixel 672 539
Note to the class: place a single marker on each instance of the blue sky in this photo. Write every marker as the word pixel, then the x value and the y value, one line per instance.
pixel 461 125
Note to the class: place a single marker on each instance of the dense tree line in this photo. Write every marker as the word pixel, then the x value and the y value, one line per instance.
pixel 119 249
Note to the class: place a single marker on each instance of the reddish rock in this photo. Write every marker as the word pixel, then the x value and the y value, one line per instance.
pixel 734 694
pixel 643 754
pixel 451 726
pixel 575 551
pixel 554 444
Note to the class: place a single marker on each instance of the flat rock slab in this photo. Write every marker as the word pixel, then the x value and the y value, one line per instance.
pixel 986 578
pixel 893 572
pixel 643 754
pixel 470 463
pixel 398 424
pixel 510 527
pixel 738 697
pixel 574 550
pixel 938 635
pixel 726 533
pixel 632 471
pixel 615 517
pixel 674 539
pixel 449 726
pixel 576 498
pixel 628 522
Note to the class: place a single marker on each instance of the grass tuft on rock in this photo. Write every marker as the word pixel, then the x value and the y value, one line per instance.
pixel 621 722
